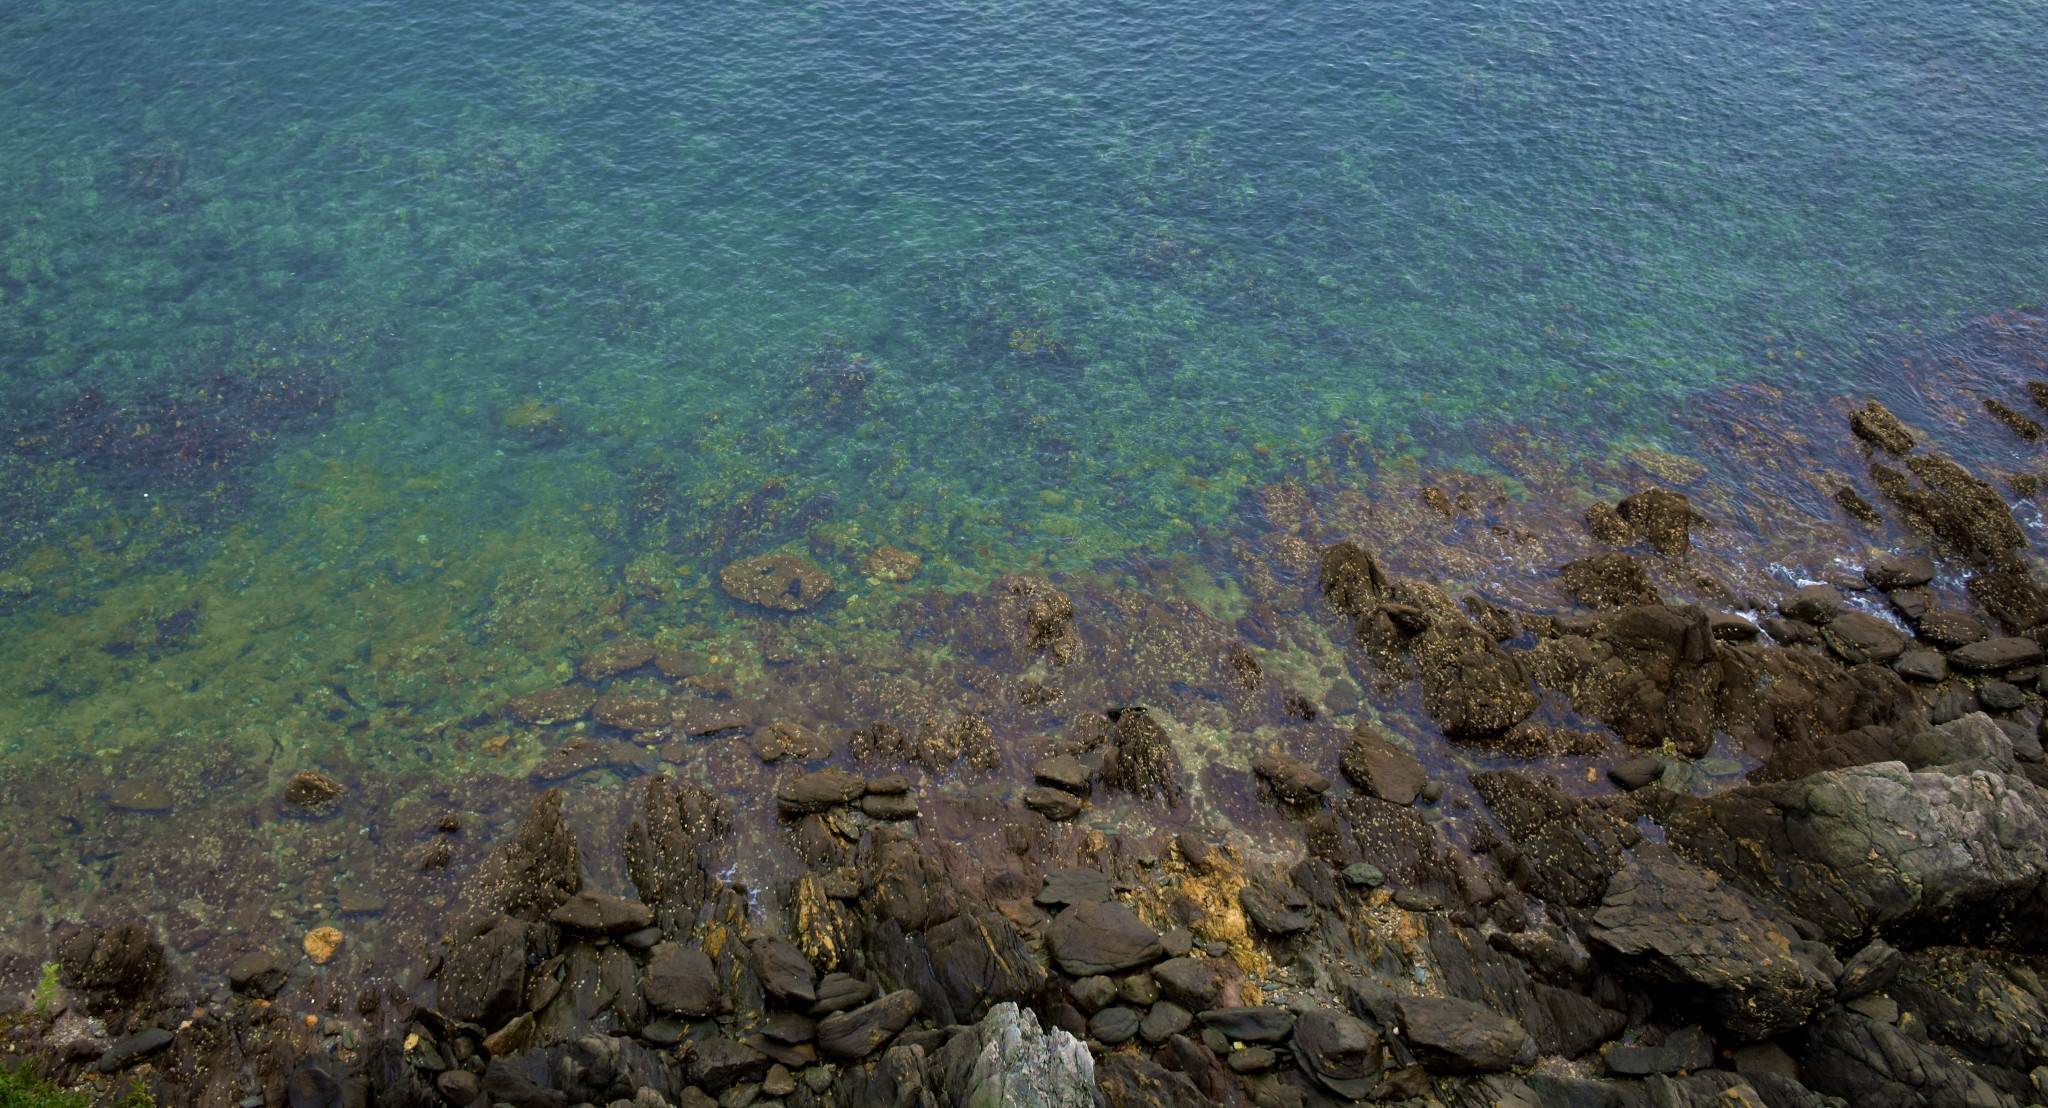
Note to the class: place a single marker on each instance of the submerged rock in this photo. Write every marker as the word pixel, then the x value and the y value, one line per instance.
pixel 781 582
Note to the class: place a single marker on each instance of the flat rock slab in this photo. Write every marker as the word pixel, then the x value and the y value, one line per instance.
pixel 1075 886
pixel 1460 1035
pixel 1995 655
pixel 1262 1023
pixel 855 1034
pixel 822 791
pixel 1679 924
pixel 1089 939
pixel 1374 763
pixel 603 914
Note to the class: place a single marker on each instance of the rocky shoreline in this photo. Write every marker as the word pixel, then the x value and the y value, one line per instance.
pixel 1817 874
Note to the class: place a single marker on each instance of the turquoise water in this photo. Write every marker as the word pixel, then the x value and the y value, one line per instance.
pixel 606 295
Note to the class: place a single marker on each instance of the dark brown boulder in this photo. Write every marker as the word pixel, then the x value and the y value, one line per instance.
pixel 1291 779
pixel 563 704
pixel 681 980
pixel 1899 571
pixel 818 792
pixel 1875 424
pixel 855 1034
pixel 1452 1034
pixel 114 968
pixel 538 870
pixel 1859 637
pixel 1352 579
pixel 1374 763
pixel 1663 517
pixel 1141 758
pixel 1605 581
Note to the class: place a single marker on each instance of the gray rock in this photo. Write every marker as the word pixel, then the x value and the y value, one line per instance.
pixel 134 1048
pixel 1057 805
pixel 1998 696
pixel 1870 1063
pixel 1636 771
pixel 1064 772
pixel 602 914
pixel 719 1063
pixel 1188 982
pixel 1859 637
pixel 1373 762
pixel 1006 1061
pixel 1812 604
pixel 852 1035
pixel 1684 1050
pixel 1093 993
pixel 1113 1026
pixel 1921 665
pixel 1259 1024
pixel 1164 1021
pixel 1075 886
pixel 1089 939
pixel 1995 655
pixel 840 991
pixel 1339 1050
pixel 1899 571
pixel 1364 875
pixel 1870 847
pixel 1291 779
pixel 818 792
pixel 1965 744
pixel 1276 908
pixel 1681 925
pixel 682 980
pixel 786 975
pixel 888 806
pixel 1870 969
pixel 1448 1033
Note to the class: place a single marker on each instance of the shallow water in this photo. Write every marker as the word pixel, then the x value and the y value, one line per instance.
pixel 552 310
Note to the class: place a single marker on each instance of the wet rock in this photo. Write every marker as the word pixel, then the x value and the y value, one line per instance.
pixel 782 739
pixel 314 792
pixel 1927 666
pixel 718 1064
pixel 677 841
pixel 564 704
pixel 1858 637
pixel 1987 1007
pixel 114 968
pixel 889 563
pixel 460 1086
pixel 140 796
pixel 818 792
pixel 1788 632
pixel 1291 779
pixel 538 870
pixel 1995 655
pixel 256 974
pixel 1007 1060
pixel 577 756
pixel 1064 772
pixel 1114 1025
pixel 1339 1050
pixel 682 980
pixel 1870 969
pixel 1899 571
pixel 1141 760
pixel 1728 627
pixel 1189 982
pixel 1876 425
pixel 1948 628
pixel 1636 772
pixel 1262 1023
pixel 1453 1034
pixel 1470 686
pixel 1040 618
pixel 134 1048
pixel 1682 1051
pixel 1054 804
pixel 635 712
pixel 603 914
pixel 855 1034
pixel 1607 525
pixel 483 978
pixel 1681 925
pixel 699 718
pixel 786 975
pixel 615 657
pixel 780 582
pixel 1608 581
pixel 1954 506
pixel 1662 517
pixel 1352 579
pixel 1374 763
pixel 1816 604
pixel 1090 939
pixel 888 807
pixel 1128 1081
pixel 1075 886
